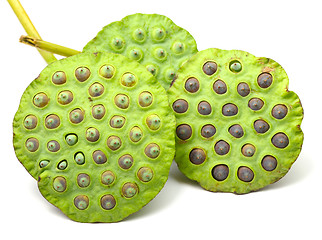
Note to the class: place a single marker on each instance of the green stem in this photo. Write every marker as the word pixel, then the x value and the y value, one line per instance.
pixel 47 46
pixel 29 27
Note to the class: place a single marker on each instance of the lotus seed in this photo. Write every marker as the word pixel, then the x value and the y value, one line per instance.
pixel 209 68
pixel 52 121
pixel 180 106
pixel 248 150
pixel 43 163
pixel 279 111
pixel 32 144
pixel 208 131
pixel 128 80
pixel 81 202
pixel 229 110
pixel 136 54
pixel 261 126
pixel 108 202
pixel 220 172
pixel 160 54
pixel 117 122
pixel 145 174
pixel 76 116
pixel 71 139
pixel 255 104
pixel 118 44
pixel 107 177
pixel 178 47
pixel 96 90
pixel 98 111
pixel 82 74
pixel 129 190
pixel 83 180
pixel 236 131
pixel 170 74
pixel 59 78
pixel 40 100
pixel 184 131
pixel 153 121
pixel 107 71
pixel 99 157
pixel 114 142
pixel 136 134
pixel 192 85
pixel 152 150
pixel 30 122
pixel 235 66
pixel 122 101
pixel 126 161
pixel 158 34
pixel 204 108
pixel 79 158
pixel 62 165
pixel 145 99
pixel 269 163
pixel 265 80
pixel 220 87
pixel 197 156
pixel 152 69
pixel 222 147
pixel 53 146
pixel 59 184
pixel 280 140
pixel 245 174
pixel 65 97
pixel 92 134
pixel 243 89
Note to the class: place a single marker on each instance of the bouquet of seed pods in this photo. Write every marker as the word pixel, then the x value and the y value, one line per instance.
pixel 99 129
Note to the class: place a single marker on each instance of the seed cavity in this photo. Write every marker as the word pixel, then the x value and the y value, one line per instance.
pixel 269 163
pixel 32 144
pixel 92 134
pixel 180 106
pixel 145 99
pixel 139 35
pixel 117 122
pixel 208 131
pixel 79 158
pixel 59 184
pixel 53 146
pixel 279 111
pixel 236 131
pixel 160 54
pixel 43 163
pixel 204 108
pixel 220 87
pixel 108 177
pixel 178 47
pixel 197 156
pixel 220 172
pixel 192 85
pixel 136 54
pixel 255 104
pixel 153 121
pixel 248 150
pixel 280 140
pixel 265 80
pixel 245 174
pixel 209 68
pixel 108 202
pixel 235 66
pixel 136 134
pixel 184 131
pixel 114 142
pixel 107 71
pixel 62 165
pixel 158 34
pixel 261 126
pixel 83 180
pixel 99 157
pixel 40 100
pixel 122 101
pixel 71 139
pixel 145 174
pixel 30 122
pixel 98 111
pixel 82 74
pixel 243 89
pixel 96 90
pixel 118 43
pixel 222 147
pixel 152 150
pixel 58 78
pixel 76 116
pixel 229 110
pixel 52 121
pixel 128 80
pixel 65 97
pixel 129 190
pixel 81 202
pixel 126 161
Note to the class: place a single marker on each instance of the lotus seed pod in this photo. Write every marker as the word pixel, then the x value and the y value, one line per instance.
pixel 243 143
pixel 151 39
pixel 103 147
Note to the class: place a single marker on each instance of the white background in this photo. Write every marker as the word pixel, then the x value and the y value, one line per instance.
pixel 286 31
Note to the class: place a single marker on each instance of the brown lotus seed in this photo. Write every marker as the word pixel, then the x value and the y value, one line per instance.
pixel 99 157
pixel 184 131
pixel 261 126
pixel 269 163
pixel 117 122
pixel 236 131
pixel 30 122
pixel 152 150
pixel 229 110
pixel 65 97
pixel 59 78
pixel 83 180
pixel 76 116
pixel 204 108
pixel 243 89
pixel 82 74
pixel 209 68
pixel 145 99
pixel 122 101
pixel 197 156
pixel 126 161
pixel 208 131
pixel 52 121
pixel 279 111
pixel 92 134
pixel 32 144
pixel 245 174
pixel 98 111
pixel 145 174
pixel 280 140
pixel 96 90
pixel 220 87
pixel 264 80
pixel 53 146
pixel 114 142
pixel 192 85
pixel 255 104
pixel 248 150
pixel 59 184
pixel 81 202
pixel 222 147
pixel 220 172
pixel 107 177
pixel 108 202
pixel 40 100
pixel 129 190
pixel 180 106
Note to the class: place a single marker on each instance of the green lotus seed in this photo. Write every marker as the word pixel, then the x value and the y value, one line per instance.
pixel 40 100
pixel 160 54
pixel 136 134
pixel 52 121
pixel 265 80
pixel 79 158
pixel 126 161
pixel 59 78
pixel 145 99
pixel 53 146
pixel 158 34
pixel 59 184
pixel 122 101
pixel 220 172
pixel 248 150
pixel 118 44
pixel 65 97
pixel 83 180
pixel 71 139
pixel 178 47
pixel 30 122
pixel 192 85
pixel 129 190
pixel 197 156
pixel 92 134
pixel 170 74
pixel 99 157
pixel 128 80
pixel 43 163
pixel 108 177
pixel 108 202
pixel 82 74
pixel 145 174
pixel 62 165
pixel 152 150
pixel 153 121
pixel 117 122
pixel 152 69
pixel 81 202
pixel 114 142
pixel 98 111
pixel 235 66
pixel 139 35
pixel 136 54
pixel 76 116
pixel 209 68
pixel 32 144
pixel 96 90
pixel 245 174
pixel 107 71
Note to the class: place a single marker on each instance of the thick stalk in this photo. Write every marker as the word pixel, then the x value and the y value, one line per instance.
pixel 29 27
pixel 47 46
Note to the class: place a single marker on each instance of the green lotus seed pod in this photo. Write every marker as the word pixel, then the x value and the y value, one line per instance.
pixel 246 141
pixel 152 39
pixel 98 158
